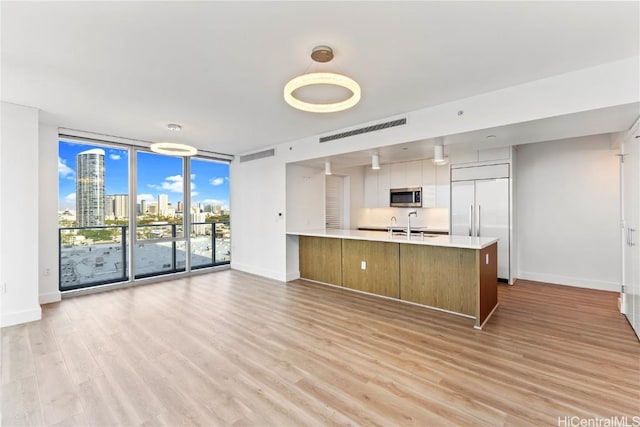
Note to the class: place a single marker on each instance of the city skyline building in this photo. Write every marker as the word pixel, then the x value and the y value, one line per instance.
pixel 121 206
pixel 90 192
pixel 108 206
pixel 163 204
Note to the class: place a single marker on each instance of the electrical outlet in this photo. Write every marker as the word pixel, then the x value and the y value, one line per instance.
pixel 47 271
pixel 363 265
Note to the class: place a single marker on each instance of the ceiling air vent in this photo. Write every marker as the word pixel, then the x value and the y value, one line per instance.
pixel 372 128
pixel 259 155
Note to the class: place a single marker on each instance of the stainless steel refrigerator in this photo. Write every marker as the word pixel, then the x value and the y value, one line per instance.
pixel 480 207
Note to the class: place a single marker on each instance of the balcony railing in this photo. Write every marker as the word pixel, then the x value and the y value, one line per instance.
pixel 92 256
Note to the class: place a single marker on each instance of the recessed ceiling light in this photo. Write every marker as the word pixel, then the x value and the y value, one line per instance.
pixel 174 127
pixel 491 136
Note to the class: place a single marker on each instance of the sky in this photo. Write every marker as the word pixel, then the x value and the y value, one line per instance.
pixel 157 174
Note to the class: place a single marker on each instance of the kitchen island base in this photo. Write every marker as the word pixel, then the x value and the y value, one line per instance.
pixel 457 280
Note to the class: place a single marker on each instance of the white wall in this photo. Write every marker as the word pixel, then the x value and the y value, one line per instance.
pixel 47 217
pixel 262 250
pixel 436 218
pixel 258 243
pixel 305 188
pixel 19 221
pixel 568 212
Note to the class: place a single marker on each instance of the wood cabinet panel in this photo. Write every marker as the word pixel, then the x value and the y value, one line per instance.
pixel 321 259
pixel 381 276
pixel 488 289
pixel 440 277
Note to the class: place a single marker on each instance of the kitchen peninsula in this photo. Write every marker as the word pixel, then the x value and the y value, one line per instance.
pixel 457 274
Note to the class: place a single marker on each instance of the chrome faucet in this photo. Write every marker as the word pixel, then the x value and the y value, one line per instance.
pixel 414 212
pixel 391 222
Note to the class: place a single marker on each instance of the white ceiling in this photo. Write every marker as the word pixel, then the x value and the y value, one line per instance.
pixel 218 68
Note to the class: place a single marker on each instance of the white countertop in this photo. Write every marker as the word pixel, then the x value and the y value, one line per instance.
pixel 464 242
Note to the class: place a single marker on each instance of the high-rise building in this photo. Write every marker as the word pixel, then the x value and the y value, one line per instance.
pixel 90 198
pixel 121 206
pixel 179 208
pixel 163 204
pixel 197 217
pixel 108 206
pixel 143 207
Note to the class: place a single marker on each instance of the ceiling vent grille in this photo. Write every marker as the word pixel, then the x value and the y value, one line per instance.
pixel 372 128
pixel 259 155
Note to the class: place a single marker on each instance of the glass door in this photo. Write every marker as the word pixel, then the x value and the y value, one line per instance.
pixel 160 242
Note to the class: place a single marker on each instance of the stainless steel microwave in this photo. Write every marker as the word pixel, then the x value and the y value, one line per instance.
pixel 405 197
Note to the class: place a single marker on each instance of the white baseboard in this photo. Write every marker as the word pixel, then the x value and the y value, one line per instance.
pixel 293 275
pixel 270 274
pixel 578 282
pixel 50 297
pixel 18 317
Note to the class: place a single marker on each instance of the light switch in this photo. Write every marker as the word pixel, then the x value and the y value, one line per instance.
pixel 363 265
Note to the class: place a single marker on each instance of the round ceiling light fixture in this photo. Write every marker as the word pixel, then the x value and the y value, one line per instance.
pixel 174 127
pixel 173 149
pixel 322 54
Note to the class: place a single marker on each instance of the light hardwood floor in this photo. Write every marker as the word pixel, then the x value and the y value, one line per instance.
pixel 233 349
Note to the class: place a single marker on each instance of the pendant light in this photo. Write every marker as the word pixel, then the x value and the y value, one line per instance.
pixel 322 54
pixel 327 168
pixel 438 154
pixel 173 148
pixel 375 161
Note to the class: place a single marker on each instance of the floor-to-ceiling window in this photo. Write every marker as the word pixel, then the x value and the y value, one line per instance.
pixel 210 242
pixel 106 190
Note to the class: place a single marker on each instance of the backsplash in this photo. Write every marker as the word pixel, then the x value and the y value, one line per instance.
pixel 437 218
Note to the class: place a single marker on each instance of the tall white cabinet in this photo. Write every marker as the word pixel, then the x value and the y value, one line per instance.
pixel 631 228
pixel 480 207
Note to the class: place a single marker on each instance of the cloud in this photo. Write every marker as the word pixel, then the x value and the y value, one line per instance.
pixel 147 197
pixel 114 156
pixel 214 202
pixel 216 181
pixel 171 183
pixel 194 193
pixel 64 170
pixel 71 197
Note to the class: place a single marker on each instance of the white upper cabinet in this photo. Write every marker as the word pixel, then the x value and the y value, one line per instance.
pixel 428 184
pixel 370 188
pixel 406 174
pixel 433 179
pixel 443 185
pixel 413 173
pixel 376 187
pixel 384 184
pixel 435 185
